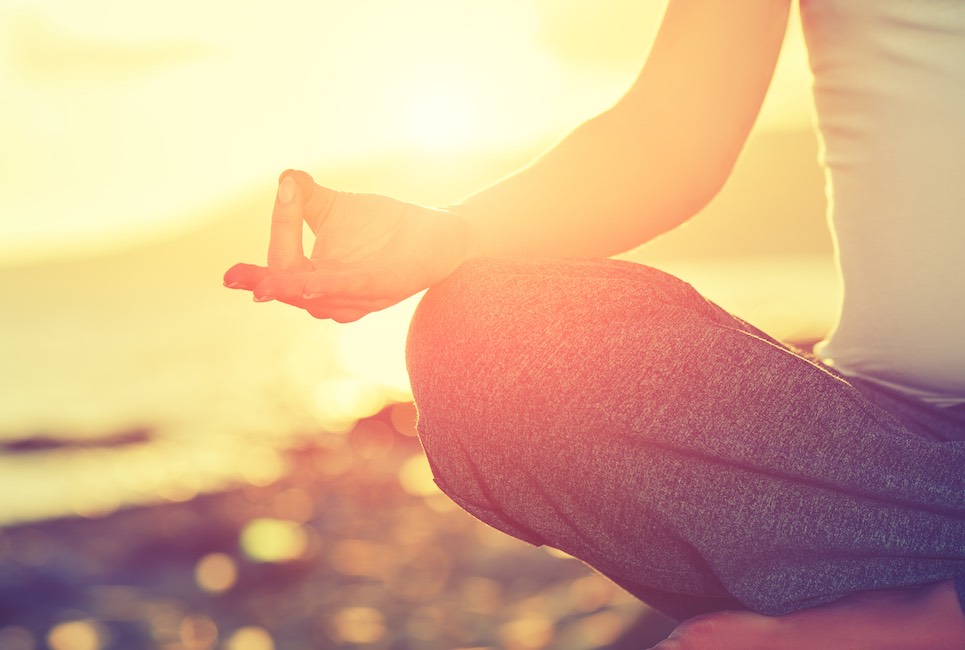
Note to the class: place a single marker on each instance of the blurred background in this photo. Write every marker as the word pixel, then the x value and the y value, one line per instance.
pixel 182 468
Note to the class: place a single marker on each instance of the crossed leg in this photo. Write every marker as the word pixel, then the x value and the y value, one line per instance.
pixel 609 410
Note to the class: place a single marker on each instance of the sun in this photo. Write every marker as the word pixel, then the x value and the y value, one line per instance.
pixel 441 117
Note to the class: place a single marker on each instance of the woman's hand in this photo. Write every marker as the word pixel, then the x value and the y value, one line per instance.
pixel 370 251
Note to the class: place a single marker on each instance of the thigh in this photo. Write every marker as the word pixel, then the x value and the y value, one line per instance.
pixel 609 410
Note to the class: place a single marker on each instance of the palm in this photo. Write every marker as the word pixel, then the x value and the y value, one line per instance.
pixel 373 247
pixel 357 228
pixel 370 251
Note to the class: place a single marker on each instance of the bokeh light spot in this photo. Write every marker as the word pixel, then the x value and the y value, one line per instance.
pixel 250 638
pixel 601 629
pixel 273 540
pixel 75 635
pixel 371 439
pixel 415 475
pixel 164 617
pixel 590 593
pixel 481 595
pixel 216 573
pixel 198 632
pixel 339 403
pixel 360 625
pixel 527 633
pixel 441 503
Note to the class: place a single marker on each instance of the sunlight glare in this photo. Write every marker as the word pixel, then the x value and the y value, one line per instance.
pixel 374 347
pixel 201 102
pixel 441 118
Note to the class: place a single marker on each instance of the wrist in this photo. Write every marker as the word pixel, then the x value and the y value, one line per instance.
pixel 465 240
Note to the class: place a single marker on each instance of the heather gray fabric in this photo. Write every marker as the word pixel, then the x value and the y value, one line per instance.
pixel 609 410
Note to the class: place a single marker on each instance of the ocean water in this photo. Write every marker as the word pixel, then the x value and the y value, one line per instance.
pixel 206 384
pixel 146 342
pixel 215 386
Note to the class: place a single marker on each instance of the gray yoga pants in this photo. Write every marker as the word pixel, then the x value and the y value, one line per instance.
pixel 609 410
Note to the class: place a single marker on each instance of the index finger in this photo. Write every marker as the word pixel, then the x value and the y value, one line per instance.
pixel 285 243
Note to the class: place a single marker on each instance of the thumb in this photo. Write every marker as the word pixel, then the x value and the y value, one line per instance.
pixel 285 244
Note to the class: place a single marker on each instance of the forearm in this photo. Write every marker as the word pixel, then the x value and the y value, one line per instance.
pixel 654 159
pixel 594 195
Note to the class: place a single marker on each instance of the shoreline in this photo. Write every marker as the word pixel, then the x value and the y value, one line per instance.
pixel 45 442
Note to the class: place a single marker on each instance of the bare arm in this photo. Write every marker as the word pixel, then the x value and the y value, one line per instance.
pixel 637 170
pixel 655 158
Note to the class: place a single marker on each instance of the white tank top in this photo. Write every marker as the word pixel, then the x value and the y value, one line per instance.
pixel 889 87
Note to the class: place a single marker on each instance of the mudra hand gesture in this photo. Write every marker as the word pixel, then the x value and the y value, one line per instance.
pixel 370 251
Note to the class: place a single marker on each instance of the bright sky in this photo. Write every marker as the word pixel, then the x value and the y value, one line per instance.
pixel 120 118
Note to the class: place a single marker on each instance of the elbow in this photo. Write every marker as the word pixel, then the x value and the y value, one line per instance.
pixel 666 196
pixel 707 181
pixel 696 172
pixel 686 183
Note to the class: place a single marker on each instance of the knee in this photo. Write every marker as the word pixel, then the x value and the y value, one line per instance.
pixel 439 309
pixel 451 334
pixel 476 330
pixel 444 313
pixel 474 350
pixel 455 359
pixel 489 306
pixel 503 336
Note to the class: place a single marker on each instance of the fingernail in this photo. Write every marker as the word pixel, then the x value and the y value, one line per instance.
pixel 312 296
pixel 233 285
pixel 286 190
pixel 264 298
